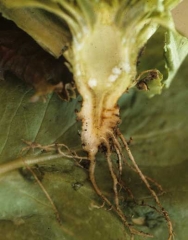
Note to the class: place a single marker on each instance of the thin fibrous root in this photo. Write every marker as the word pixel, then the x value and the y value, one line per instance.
pixel 157 185
pixel 116 182
pixel 46 194
pixel 126 189
pixel 119 155
pixel 148 178
pixel 97 189
pixel 29 161
pixel 115 208
pixel 34 145
pixel 32 160
pixel 119 148
pixel 54 147
pixel 144 179
pixel 114 178
pixel 93 181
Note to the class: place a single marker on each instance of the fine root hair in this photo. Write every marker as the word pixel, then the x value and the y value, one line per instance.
pixel 114 144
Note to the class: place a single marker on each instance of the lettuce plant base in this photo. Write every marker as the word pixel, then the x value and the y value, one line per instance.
pixel 159 130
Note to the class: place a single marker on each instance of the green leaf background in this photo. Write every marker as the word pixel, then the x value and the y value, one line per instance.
pixel 159 130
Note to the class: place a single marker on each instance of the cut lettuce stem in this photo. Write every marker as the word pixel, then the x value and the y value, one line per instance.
pixel 106 39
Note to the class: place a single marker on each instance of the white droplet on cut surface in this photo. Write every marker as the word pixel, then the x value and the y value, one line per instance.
pixel 126 67
pixel 113 77
pixel 116 71
pixel 92 82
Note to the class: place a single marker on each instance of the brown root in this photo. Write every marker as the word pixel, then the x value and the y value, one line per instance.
pixel 57 147
pixel 46 194
pixel 115 208
pixel 145 181
pixel 115 143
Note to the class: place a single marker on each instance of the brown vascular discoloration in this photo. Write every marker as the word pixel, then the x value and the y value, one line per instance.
pixel 111 114
pixel 97 126
pixel 22 56
pixel 110 119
